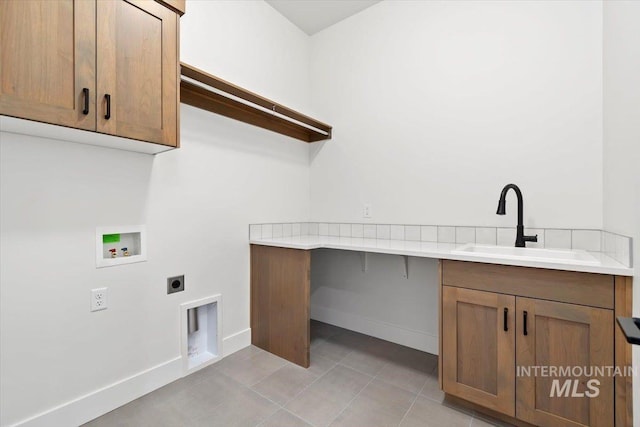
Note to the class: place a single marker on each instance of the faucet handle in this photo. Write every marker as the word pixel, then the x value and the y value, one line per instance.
pixel 531 238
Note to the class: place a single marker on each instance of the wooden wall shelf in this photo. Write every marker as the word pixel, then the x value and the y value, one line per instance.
pixel 245 106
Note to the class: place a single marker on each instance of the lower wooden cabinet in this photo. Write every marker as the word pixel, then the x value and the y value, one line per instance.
pixel 509 353
pixel 571 336
pixel 479 347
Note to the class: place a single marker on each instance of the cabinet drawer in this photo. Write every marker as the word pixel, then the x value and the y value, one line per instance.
pixel 595 290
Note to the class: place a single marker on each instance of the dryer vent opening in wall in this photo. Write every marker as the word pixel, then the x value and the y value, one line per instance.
pixel 201 333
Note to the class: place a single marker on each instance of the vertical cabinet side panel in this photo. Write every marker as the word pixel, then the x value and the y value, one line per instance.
pixel 623 385
pixel 440 330
pixel 280 292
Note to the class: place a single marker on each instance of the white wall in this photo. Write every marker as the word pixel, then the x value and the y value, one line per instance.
pixel 437 105
pixel 380 301
pixel 250 44
pixel 195 201
pixel 622 137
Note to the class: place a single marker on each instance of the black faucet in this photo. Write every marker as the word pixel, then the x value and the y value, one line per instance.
pixel 521 239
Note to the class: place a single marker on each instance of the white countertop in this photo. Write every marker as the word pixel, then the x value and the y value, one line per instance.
pixel 605 264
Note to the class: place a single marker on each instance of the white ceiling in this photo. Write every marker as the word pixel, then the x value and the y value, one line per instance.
pixel 312 16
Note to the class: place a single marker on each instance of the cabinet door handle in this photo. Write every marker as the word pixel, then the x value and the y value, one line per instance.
pixel 524 322
pixel 85 92
pixel 506 315
pixel 107 97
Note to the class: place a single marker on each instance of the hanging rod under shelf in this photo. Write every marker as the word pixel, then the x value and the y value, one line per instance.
pixel 202 90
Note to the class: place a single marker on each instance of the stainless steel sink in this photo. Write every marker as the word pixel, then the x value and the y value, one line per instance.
pixel 563 256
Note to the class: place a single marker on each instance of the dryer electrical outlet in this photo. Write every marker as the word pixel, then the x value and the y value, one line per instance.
pixel 175 284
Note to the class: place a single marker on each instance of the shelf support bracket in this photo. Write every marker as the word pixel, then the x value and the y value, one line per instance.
pixel 364 259
pixel 405 264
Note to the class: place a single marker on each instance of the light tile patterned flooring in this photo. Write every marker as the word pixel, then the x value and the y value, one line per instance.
pixel 354 380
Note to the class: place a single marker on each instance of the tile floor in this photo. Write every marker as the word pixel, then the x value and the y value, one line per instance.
pixel 354 380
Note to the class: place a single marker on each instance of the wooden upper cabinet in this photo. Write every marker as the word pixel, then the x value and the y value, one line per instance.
pixel 102 65
pixel 478 347
pixel 47 61
pixel 137 70
pixel 564 335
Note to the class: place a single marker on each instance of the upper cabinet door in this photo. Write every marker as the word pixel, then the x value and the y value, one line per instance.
pixel 137 69
pixel 478 347
pixel 553 334
pixel 47 61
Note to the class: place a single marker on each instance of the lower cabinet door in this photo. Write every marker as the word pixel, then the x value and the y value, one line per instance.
pixel 478 347
pixel 558 345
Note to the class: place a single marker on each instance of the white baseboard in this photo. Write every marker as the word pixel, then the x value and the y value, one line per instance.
pixel 92 405
pixel 236 342
pixel 375 328
pixel 99 402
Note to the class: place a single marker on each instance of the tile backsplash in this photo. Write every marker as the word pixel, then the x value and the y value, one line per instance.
pixel 617 247
pixel 558 239
pixel 613 245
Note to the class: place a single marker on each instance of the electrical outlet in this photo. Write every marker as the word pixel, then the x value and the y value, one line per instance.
pixel 367 211
pixel 98 299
